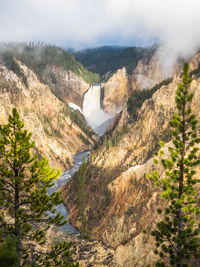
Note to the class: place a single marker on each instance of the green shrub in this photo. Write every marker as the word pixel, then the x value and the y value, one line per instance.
pixel 85 140
pixel 110 141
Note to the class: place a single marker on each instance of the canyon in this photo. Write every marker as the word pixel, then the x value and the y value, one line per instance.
pixel 121 202
pixel 43 96
pixel 55 135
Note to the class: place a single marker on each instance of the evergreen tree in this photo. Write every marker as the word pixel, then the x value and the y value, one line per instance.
pixel 8 254
pixel 177 234
pixel 24 199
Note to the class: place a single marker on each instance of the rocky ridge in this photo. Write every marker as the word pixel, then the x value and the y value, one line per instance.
pixel 87 252
pixel 151 71
pixel 55 135
pixel 65 84
pixel 121 201
pixel 115 91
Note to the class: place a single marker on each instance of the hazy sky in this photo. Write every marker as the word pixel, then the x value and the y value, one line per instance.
pixel 86 23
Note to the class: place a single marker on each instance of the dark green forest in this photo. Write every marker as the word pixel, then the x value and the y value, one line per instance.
pixel 109 59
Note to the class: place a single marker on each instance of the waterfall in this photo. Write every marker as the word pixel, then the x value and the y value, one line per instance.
pixel 96 117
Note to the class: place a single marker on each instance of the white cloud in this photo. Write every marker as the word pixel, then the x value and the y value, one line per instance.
pixel 77 23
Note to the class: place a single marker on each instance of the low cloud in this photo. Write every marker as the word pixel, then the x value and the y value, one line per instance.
pixel 80 24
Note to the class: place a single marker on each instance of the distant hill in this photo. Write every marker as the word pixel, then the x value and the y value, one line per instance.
pixel 37 57
pixel 108 59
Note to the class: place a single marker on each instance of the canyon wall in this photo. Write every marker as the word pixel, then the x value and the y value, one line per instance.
pixel 121 202
pixel 55 135
pixel 115 91
pixel 151 71
pixel 65 84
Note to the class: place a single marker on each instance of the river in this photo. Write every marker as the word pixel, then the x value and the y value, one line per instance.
pixel 65 176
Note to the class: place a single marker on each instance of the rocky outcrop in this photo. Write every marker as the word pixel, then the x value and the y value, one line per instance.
pixel 87 252
pixel 115 91
pixel 121 201
pixel 55 135
pixel 151 71
pixel 119 122
pixel 65 84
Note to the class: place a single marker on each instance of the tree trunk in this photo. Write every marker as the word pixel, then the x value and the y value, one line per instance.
pixel 181 181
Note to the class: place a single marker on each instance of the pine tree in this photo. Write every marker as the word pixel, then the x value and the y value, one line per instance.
pixel 177 234
pixel 8 254
pixel 24 199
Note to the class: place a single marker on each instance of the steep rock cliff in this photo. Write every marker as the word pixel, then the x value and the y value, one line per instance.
pixel 115 91
pixel 87 252
pixel 65 84
pixel 55 135
pixel 152 70
pixel 121 202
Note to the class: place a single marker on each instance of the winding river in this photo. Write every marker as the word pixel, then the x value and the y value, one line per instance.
pixel 65 176
pixel 99 120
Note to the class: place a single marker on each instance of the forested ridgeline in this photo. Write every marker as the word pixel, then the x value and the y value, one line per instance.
pixel 38 56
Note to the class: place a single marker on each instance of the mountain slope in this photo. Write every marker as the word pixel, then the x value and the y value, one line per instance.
pixel 53 124
pixel 121 201
pixel 66 77
pixel 37 57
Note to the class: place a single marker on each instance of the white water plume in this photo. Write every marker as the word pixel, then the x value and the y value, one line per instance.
pixel 74 106
pixel 94 115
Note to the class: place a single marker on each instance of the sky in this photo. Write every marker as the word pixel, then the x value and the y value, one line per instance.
pixel 89 23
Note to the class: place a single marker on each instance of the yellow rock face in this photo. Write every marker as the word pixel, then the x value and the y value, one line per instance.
pixel 116 91
pixel 149 73
pixel 121 201
pixel 56 137
pixel 67 86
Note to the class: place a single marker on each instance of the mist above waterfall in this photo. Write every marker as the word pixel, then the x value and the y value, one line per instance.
pixel 96 117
